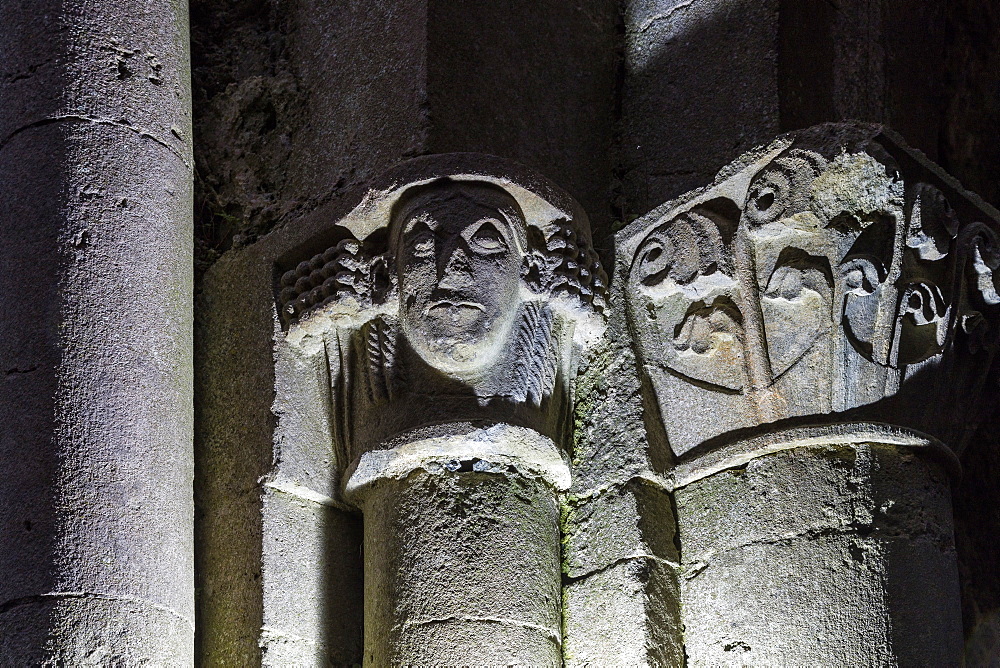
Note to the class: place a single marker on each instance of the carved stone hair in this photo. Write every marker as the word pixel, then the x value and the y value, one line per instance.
pixel 441 190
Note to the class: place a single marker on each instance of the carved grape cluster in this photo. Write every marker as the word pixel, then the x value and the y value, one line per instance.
pixel 341 271
pixel 564 264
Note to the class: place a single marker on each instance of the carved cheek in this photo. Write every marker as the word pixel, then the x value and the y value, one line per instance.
pixel 417 279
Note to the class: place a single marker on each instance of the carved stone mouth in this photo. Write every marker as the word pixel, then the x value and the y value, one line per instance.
pixel 449 304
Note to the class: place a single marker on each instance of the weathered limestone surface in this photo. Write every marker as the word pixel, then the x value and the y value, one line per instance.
pixel 835 554
pixel 301 103
pixel 619 552
pixel 95 511
pixel 700 87
pixel 287 136
pixel 462 568
pixel 831 272
pixel 829 279
pixel 620 559
pixel 368 344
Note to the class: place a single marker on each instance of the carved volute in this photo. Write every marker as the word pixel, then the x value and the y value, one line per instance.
pixel 833 272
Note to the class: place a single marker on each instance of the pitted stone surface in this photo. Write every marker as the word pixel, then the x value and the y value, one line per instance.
pixel 831 271
pixel 462 567
pixel 624 615
pixel 815 554
pixel 620 522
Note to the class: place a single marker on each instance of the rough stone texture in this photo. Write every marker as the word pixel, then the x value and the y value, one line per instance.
pixel 274 401
pixel 831 274
pixel 834 271
pixel 96 514
pixel 621 463
pixel 617 523
pixel 462 568
pixel 847 551
pixel 624 615
pixel 281 131
pixel 700 87
pixel 307 618
pixel 234 386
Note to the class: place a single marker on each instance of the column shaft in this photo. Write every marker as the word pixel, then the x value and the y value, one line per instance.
pixel 95 345
pixel 840 554
pixel 462 568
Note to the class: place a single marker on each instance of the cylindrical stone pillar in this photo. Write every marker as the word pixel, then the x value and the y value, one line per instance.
pixel 825 546
pixel 96 511
pixel 461 548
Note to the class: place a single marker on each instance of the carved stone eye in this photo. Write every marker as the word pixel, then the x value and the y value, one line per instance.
pixel 422 243
pixel 487 239
pixel 653 263
pixel 764 201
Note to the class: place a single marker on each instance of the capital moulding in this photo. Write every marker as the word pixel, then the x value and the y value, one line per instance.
pixel 834 272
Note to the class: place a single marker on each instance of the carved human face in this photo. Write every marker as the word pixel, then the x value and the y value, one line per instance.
pixel 459 276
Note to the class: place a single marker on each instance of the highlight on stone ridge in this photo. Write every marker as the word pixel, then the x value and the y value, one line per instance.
pixel 610 333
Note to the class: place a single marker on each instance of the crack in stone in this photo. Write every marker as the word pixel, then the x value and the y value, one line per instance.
pixel 9 605
pixel 97 121
pixel 861 530
pixel 663 17
pixel 549 633
pixel 573 579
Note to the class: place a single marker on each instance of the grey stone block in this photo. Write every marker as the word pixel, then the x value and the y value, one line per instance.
pixel 624 615
pixel 312 582
pixel 623 521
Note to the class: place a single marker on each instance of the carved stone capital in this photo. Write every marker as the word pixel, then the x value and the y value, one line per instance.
pixel 835 272
pixel 460 290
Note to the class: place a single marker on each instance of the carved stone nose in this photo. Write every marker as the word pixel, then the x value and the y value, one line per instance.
pixel 454 272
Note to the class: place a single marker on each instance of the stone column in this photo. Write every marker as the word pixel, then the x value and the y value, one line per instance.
pixel 824 546
pixel 461 547
pixel 95 341
pixel 440 337
pixel 813 327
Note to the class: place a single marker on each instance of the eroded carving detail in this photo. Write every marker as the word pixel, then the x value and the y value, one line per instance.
pixel 833 273
pixel 465 302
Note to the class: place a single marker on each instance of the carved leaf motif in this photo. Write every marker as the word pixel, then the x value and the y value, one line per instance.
pixel 980 246
pixel 923 319
pixel 932 223
pixel 862 276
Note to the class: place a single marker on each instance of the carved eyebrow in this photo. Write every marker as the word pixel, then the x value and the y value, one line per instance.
pixel 498 223
pixel 423 218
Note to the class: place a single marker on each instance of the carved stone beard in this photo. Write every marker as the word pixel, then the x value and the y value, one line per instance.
pixel 520 370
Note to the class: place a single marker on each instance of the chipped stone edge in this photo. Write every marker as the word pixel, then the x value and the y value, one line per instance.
pixel 739 452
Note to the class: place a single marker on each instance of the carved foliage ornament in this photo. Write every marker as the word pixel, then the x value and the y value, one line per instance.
pixel 820 275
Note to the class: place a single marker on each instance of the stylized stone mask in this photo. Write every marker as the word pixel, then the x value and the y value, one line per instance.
pixel 459 257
